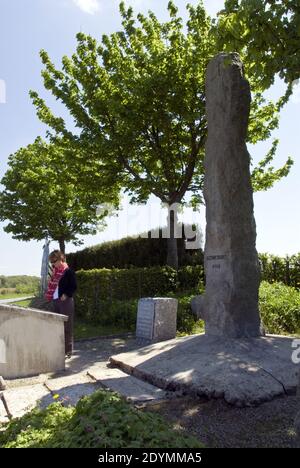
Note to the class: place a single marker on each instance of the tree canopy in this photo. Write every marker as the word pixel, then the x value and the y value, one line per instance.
pixel 42 196
pixel 265 31
pixel 138 102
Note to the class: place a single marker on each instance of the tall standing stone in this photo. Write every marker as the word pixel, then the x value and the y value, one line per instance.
pixel 231 261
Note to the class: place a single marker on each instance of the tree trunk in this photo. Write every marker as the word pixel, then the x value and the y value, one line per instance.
pixel 62 245
pixel 172 255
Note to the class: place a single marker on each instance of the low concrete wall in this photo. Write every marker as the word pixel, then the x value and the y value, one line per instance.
pixel 31 342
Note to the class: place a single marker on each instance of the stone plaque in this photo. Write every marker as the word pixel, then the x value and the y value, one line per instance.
pixel 145 319
pixel 156 319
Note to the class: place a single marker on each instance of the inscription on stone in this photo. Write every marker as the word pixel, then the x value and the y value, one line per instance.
pixel 215 257
pixel 156 319
pixel 145 319
pixel 216 262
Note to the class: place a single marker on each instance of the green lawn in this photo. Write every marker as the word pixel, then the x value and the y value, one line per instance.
pixel 15 295
pixel 22 303
pixel 83 330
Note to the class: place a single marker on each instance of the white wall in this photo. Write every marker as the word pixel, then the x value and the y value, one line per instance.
pixel 31 342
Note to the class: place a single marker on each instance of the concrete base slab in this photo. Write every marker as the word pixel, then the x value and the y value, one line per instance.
pixel 68 390
pixel 244 372
pixel 128 386
pixel 22 399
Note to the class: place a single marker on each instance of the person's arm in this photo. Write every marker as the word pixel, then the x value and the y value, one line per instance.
pixel 70 285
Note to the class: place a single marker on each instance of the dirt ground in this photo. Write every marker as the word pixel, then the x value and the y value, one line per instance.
pixel 217 424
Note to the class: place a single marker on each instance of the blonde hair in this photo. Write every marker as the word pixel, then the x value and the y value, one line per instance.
pixel 57 255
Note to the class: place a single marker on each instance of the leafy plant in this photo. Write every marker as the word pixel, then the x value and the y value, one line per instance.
pixel 101 420
pixel 280 308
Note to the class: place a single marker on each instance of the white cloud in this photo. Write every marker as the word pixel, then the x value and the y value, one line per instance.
pixel 88 6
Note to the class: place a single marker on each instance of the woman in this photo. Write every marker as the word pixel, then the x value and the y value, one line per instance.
pixel 61 288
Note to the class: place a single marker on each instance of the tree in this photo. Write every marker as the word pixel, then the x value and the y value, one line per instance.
pixel 268 31
pixel 42 196
pixel 138 99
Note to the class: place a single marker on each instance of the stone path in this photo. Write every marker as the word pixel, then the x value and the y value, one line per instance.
pixel 85 372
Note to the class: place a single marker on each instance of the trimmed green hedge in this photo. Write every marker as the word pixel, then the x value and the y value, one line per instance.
pixel 281 269
pixel 131 252
pixel 142 252
pixel 110 297
pixel 279 308
pixel 100 292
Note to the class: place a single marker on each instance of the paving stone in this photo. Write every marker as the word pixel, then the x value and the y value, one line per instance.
pixel 69 389
pixel 130 387
pixel 22 399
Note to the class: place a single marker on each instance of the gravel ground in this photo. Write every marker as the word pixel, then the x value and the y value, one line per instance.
pixel 218 424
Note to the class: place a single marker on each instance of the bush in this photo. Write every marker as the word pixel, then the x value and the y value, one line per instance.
pixel 279 269
pixel 131 252
pixel 187 323
pixel 97 289
pixel 191 277
pixel 23 283
pixel 280 308
pixel 102 420
pixel 110 296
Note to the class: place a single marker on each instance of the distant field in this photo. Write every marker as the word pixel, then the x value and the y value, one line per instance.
pixel 18 286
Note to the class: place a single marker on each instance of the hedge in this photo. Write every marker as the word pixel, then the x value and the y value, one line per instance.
pixel 279 308
pixel 131 252
pixel 142 252
pixel 281 269
pixel 102 293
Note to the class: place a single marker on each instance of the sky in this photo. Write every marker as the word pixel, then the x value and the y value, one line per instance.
pixel 28 26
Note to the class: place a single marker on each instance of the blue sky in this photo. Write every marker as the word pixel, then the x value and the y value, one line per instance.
pixel 31 25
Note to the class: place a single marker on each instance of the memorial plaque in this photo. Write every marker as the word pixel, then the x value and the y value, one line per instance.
pixel 156 319
pixel 145 319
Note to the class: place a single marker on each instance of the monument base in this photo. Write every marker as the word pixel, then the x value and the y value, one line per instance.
pixel 244 372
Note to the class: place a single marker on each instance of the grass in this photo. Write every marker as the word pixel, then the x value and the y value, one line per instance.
pixel 101 420
pixel 15 295
pixel 22 303
pixel 83 330
pixel 86 330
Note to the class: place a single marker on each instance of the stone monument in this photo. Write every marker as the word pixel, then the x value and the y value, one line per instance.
pixel 156 319
pixel 230 305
